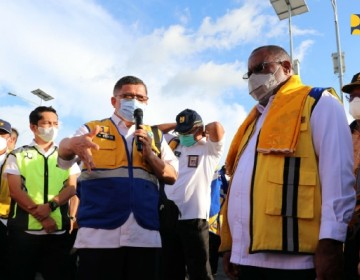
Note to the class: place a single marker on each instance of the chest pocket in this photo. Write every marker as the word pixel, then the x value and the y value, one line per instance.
pixel 106 155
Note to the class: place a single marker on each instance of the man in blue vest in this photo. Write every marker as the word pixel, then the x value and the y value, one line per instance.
pixel 118 219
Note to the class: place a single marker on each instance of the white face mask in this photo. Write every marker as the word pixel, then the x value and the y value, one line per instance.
pixel 3 143
pixel 48 134
pixel 261 86
pixel 128 107
pixel 354 108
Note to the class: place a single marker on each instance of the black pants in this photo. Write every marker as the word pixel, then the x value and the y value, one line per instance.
pixel 72 266
pixel 259 273
pixel 186 249
pixel 351 255
pixel 125 263
pixel 214 243
pixel 4 253
pixel 47 254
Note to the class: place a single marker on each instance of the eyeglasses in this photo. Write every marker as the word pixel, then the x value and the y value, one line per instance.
pixel 128 96
pixel 259 68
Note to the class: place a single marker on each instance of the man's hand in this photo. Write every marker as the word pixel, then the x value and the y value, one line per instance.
pixel 73 224
pixel 231 270
pixel 41 211
pixel 49 225
pixel 329 260
pixel 146 139
pixel 82 145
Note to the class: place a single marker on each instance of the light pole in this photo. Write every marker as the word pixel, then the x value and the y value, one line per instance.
pixel 287 9
pixel 38 92
pixel 42 95
pixel 339 67
pixel 19 96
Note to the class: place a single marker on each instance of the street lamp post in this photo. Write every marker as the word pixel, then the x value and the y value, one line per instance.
pixel 21 97
pixel 339 67
pixel 287 9
pixel 38 92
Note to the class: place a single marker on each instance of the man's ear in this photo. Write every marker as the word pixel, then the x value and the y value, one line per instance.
pixel 287 66
pixel 113 101
pixel 33 127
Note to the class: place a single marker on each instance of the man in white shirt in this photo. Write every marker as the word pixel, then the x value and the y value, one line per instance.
pixel 291 194
pixel 186 247
pixel 39 222
pixel 118 220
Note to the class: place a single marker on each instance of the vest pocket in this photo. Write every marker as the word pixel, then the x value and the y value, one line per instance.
pixel 106 155
pixel 291 195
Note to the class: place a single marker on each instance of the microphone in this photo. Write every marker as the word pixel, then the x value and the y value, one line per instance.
pixel 138 116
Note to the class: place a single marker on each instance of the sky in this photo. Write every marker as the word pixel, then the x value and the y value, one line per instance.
pixel 191 54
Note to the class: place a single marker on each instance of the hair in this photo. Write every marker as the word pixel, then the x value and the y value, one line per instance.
pixel 276 51
pixel 128 80
pixel 15 132
pixel 36 115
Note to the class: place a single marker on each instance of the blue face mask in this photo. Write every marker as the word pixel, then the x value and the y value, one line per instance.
pixel 127 108
pixel 187 140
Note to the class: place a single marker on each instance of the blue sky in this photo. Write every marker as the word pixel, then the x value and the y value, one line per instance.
pixel 191 54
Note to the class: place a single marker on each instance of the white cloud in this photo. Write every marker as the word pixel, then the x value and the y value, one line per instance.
pixel 302 50
pixel 76 51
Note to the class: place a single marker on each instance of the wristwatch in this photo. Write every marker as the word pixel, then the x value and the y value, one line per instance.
pixel 53 205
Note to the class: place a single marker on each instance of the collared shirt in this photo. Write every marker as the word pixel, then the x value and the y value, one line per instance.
pixel 130 233
pixel 2 158
pixel 191 191
pixel 332 143
pixel 11 167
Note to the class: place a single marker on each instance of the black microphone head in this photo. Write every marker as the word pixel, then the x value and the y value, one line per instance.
pixel 138 113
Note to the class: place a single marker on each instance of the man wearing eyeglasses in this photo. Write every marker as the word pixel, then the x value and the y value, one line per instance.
pixel 352 243
pixel 291 191
pixel 118 235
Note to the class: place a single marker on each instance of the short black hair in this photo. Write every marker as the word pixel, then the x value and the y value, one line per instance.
pixel 129 80
pixel 36 114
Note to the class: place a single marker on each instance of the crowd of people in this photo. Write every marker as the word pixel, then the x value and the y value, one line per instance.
pixel 284 206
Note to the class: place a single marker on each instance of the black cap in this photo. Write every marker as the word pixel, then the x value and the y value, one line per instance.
pixel 5 126
pixel 355 82
pixel 186 120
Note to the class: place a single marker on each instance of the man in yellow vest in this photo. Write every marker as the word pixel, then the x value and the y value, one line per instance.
pixel 118 217
pixel 5 143
pixel 291 194
pixel 39 221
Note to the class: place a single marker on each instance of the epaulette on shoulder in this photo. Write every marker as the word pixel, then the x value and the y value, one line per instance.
pixel 93 122
pixel 157 133
pixel 174 142
pixel 21 149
